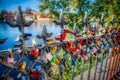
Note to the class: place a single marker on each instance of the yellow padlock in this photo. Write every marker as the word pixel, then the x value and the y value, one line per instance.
pixel 22 66
pixel 50 41
pixel 70 43
pixel 53 48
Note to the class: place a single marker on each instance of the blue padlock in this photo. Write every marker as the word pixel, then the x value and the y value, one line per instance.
pixel 98 51
pixel 38 67
pixel 107 47
pixel 72 63
pixel 23 78
pixel 116 44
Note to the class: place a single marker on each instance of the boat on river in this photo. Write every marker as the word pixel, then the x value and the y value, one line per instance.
pixel 2 40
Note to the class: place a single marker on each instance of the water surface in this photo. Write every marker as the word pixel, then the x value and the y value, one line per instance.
pixel 35 28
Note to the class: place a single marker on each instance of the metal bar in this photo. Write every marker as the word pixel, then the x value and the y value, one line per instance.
pixel 72 78
pixel 60 72
pixel 82 70
pixel 101 66
pixel 94 78
pixel 90 66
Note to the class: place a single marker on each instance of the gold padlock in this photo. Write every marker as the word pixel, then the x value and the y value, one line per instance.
pixel 37 51
pixel 53 48
pixel 50 41
pixel 70 43
pixel 22 66
pixel 10 53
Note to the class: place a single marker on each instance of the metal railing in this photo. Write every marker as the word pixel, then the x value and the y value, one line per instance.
pixel 104 46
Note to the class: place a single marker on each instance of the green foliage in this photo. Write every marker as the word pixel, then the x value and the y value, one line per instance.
pixel 74 9
pixel 108 7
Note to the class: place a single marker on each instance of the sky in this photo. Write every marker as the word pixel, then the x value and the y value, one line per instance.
pixel 12 5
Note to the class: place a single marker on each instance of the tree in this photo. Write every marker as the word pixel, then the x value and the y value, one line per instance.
pixel 73 9
pixel 109 8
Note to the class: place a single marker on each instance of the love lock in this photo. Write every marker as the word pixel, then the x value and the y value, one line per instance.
pixel 55 60
pixel 53 48
pixel 70 43
pixel 10 59
pixel 72 62
pixel 22 66
pixel 50 41
pixel 66 31
pixel 34 74
pixel 81 53
pixel 34 53
pixel 62 37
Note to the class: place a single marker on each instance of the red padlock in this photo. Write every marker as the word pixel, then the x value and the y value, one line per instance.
pixel 34 74
pixel 34 53
pixel 57 38
pixel 68 47
pixel 74 49
pixel 66 31
pixel 63 36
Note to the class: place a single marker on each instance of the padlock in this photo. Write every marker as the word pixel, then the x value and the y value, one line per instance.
pixel 34 53
pixel 84 57
pixel 74 50
pixel 63 36
pixel 23 78
pixel 38 68
pixel 72 62
pixel 66 31
pixel 107 47
pixel 37 51
pixel 58 38
pixel 10 60
pixel 98 51
pixel 70 43
pixel 22 66
pixel 67 47
pixel 54 59
pixel 53 48
pixel 94 52
pixel 82 42
pixel 10 53
pixel 57 62
pixel 50 41
pixel 80 52
pixel 49 56
pixel 34 74
pixel 78 35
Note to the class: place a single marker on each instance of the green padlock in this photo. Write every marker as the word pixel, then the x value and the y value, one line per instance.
pixel 53 59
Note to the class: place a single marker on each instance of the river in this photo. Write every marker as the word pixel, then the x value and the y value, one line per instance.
pixel 35 28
